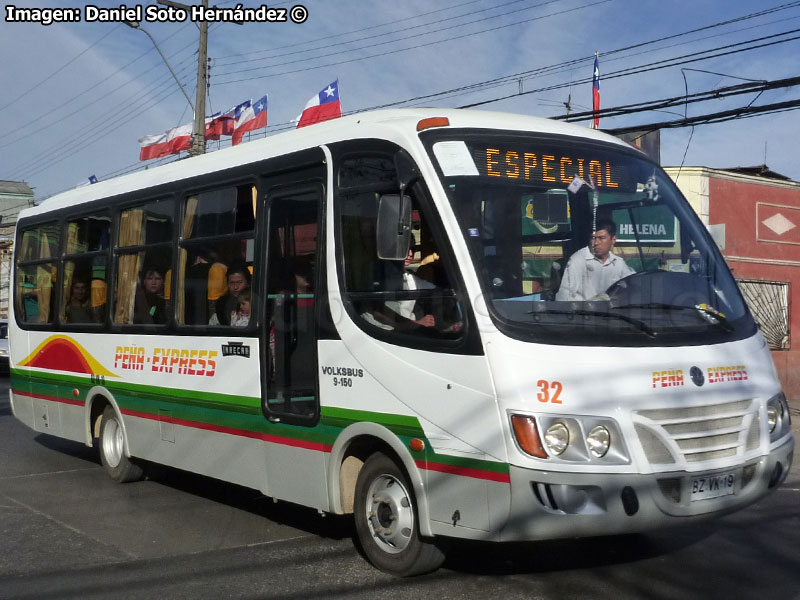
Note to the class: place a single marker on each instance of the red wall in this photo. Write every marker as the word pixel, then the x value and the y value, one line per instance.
pixel 754 251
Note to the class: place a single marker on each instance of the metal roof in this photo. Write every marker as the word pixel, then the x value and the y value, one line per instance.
pixel 15 187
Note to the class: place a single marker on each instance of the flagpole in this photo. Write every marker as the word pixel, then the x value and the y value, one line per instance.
pixel 596 90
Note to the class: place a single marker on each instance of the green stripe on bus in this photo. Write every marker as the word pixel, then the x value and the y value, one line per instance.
pixel 332 415
pixel 223 411
pixel 178 395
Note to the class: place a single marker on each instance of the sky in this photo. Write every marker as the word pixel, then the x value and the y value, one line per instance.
pixel 77 96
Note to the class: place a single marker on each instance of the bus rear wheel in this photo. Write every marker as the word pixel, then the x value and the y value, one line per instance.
pixel 112 450
pixel 387 523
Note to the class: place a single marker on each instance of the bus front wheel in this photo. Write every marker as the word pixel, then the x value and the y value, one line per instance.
pixel 386 520
pixel 112 450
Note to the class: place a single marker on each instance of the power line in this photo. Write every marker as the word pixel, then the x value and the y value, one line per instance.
pixel 712 118
pixel 395 51
pixel 661 64
pixel 371 28
pixel 326 47
pixel 59 69
pixel 560 67
pixel 623 72
pixel 33 167
pixel 715 94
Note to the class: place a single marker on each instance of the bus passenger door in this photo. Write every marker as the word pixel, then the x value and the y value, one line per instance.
pixel 290 392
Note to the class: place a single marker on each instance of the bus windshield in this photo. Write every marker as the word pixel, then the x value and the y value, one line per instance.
pixel 580 242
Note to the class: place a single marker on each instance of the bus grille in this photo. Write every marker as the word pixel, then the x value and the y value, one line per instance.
pixel 696 434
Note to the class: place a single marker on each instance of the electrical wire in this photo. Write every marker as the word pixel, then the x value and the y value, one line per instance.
pixel 622 72
pixel 397 50
pixel 327 46
pixel 59 69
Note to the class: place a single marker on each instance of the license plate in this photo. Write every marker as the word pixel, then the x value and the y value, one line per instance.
pixel 713 486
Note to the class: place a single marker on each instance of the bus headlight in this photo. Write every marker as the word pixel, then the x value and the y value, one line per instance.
pixel 773 416
pixel 556 438
pixel 779 420
pixel 576 439
pixel 598 441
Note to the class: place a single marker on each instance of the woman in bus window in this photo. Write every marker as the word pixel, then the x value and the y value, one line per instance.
pixel 150 306
pixel 78 309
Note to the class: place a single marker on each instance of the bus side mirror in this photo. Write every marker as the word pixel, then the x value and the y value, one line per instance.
pixel 394 227
pixel 407 172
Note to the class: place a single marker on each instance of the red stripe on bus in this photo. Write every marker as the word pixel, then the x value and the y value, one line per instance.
pixel 464 471
pixel 274 439
pixel 50 398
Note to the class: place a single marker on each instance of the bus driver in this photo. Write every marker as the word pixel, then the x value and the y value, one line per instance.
pixel 594 268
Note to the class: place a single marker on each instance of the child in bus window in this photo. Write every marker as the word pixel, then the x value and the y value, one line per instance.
pixel 241 316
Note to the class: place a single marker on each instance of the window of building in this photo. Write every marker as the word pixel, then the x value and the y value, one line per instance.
pixel 769 303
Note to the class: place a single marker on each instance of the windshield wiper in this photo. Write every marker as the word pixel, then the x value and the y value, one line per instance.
pixel 640 325
pixel 709 314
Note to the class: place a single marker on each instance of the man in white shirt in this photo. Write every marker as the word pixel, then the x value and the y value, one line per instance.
pixel 406 308
pixel 593 269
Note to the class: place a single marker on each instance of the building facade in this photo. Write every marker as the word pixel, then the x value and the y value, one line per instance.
pixel 754 215
pixel 14 196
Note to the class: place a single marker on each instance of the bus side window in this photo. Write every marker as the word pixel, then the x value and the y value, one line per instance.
pixel 144 264
pixel 84 290
pixel 412 296
pixel 217 242
pixel 37 272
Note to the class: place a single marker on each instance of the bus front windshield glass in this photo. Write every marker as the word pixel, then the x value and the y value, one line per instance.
pixel 580 242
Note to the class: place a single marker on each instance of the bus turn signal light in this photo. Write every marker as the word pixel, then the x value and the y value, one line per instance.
pixel 527 435
pixel 433 122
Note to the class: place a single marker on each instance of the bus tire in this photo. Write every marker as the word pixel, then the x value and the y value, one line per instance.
pixel 112 450
pixel 386 521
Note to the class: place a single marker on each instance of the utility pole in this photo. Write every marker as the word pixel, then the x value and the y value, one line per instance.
pixel 199 137
pixel 199 127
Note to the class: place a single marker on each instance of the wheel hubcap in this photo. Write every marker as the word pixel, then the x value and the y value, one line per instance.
pixel 112 443
pixel 390 514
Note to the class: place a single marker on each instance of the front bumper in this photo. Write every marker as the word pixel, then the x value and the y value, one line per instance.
pixel 550 505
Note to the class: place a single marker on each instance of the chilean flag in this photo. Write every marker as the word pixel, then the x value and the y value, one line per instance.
pixel 234 114
pixel 596 92
pixel 252 117
pixel 322 107
pixel 219 124
pixel 164 144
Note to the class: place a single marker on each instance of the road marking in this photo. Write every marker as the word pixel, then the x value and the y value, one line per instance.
pixel 68 526
pixel 47 473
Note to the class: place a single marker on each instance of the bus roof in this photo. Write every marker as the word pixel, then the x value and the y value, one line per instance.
pixel 392 123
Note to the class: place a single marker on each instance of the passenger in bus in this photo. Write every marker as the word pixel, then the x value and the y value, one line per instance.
pixel 238 277
pixel 79 309
pixel 241 316
pixel 408 309
pixel 303 278
pixel 150 304
pixel 594 268
pixel 205 283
